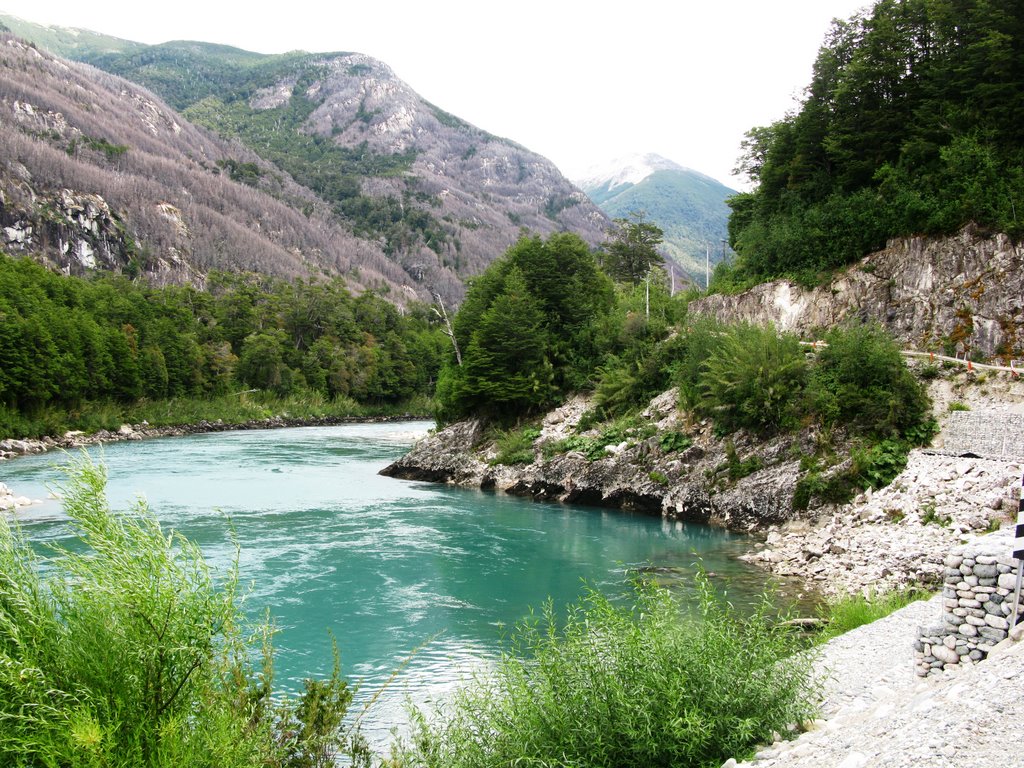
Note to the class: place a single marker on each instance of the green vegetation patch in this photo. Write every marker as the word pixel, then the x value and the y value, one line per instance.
pixel 851 611
pixel 626 683
pixel 515 446
pixel 127 649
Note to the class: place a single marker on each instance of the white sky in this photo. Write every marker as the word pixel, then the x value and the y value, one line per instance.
pixel 579 82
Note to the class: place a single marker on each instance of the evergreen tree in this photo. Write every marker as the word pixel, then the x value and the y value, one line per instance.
pixel 633 249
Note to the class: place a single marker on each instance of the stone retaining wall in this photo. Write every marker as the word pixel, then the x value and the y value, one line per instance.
pixel 977 603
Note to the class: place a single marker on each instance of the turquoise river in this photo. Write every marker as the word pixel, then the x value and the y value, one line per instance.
pixel 387 566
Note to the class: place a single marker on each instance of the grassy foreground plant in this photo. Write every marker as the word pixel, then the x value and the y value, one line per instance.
pixel 633 685
pixel 848 612
pixel 126 650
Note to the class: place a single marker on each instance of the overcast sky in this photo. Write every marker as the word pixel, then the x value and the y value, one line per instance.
pixel 579 82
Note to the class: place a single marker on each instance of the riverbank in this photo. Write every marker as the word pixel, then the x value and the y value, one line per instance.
pixel 11 448
pixel 668 465
pixel 896 536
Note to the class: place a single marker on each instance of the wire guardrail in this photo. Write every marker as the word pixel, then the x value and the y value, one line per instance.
pixel 933 357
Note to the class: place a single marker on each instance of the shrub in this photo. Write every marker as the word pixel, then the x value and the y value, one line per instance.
pixel 752 379
pixel 625 685
pixel 862 382
pixel 515 446
pixel 879 464
pixel 672 441
pixel 700 337
pixel 126 649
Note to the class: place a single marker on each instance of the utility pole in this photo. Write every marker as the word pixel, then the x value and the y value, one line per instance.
pixel 707 266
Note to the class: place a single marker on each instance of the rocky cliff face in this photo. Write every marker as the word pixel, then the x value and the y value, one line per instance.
pixel 956 295
pixel 702 483
pixel 77 232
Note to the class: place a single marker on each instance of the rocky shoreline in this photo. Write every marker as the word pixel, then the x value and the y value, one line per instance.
pixel 891 538
pixel 899 535
pixel 741 483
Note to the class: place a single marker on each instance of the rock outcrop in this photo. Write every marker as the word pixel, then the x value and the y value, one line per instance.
pixel 9 501
pixel 961 295
pixel 742 482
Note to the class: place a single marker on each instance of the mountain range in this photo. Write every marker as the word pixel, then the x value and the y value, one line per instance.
pixel 184 157
pixel 688 206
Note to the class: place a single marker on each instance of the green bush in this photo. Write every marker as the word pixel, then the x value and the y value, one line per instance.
pixel 625 685
pixel 876 466
pixel 515 446
pixel 673 441
pixel 752 379
pixel 862 383
pixel 699 338
pixel 126 649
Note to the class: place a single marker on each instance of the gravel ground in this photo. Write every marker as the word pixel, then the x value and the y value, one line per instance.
pixel 878 714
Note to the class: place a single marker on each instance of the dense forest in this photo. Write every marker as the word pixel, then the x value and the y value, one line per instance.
pixel 67 341
pixel 913 122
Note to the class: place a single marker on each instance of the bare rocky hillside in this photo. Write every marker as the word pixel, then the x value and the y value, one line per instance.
pixel 96 172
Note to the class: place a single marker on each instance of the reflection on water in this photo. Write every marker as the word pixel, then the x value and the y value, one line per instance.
pixel 387 566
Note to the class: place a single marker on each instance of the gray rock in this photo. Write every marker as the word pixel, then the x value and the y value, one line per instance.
pixel 997 621
pixel 945 655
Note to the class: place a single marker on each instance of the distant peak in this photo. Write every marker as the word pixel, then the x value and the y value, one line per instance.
pixel 628 169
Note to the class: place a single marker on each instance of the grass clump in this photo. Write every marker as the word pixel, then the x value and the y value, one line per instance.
pixel 625 685
pixel 628 429
pixel 126 649
pixel 852 611
pixel 515 446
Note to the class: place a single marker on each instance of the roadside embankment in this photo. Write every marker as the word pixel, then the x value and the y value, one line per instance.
pixel 877 713
pixel 900 534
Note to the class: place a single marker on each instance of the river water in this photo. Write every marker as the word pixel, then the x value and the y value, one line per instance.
pixel 388 566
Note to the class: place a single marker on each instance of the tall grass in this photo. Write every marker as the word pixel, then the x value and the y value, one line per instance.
pixel 625 685
pixel 127 650
pixel 851 611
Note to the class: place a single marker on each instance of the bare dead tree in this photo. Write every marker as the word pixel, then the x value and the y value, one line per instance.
pixel 448 331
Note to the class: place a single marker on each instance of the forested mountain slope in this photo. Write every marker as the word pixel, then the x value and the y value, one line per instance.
pixel 441 198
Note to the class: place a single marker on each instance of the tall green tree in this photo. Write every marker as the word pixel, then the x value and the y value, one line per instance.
pixel 528 329
pixel 506 365
pixel 633 248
